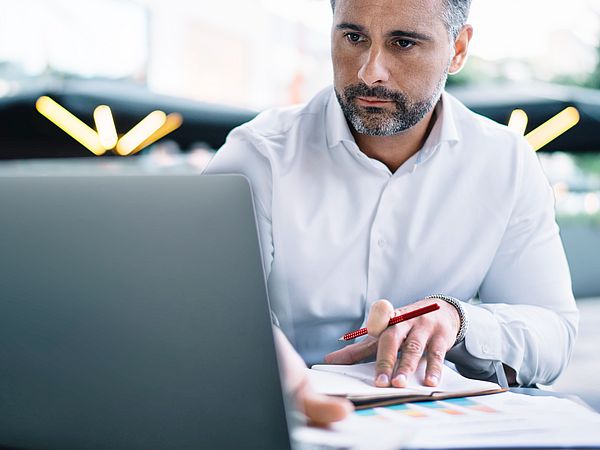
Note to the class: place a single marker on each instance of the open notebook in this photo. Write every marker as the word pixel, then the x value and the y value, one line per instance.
pixel 356 382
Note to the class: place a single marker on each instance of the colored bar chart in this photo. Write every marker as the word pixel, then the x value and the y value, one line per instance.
pixel 422 410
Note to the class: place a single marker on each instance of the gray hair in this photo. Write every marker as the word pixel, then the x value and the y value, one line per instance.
pixel 454 15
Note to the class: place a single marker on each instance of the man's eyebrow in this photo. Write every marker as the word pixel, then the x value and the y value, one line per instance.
pixel 410 34
pixel 396 33
pixel 349 26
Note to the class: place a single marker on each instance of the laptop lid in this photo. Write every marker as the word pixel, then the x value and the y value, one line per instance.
pixel 134 314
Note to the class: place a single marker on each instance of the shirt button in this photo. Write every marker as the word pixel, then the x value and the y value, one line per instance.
pixel 381 242
pixel 485 350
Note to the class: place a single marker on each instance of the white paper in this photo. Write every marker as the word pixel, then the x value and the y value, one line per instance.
pixel 354 433
pixel 498 420
pixel 515 420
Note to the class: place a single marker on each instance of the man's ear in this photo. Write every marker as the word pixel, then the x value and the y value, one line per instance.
pixel 461 48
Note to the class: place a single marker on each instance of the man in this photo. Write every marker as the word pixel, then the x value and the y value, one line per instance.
pixel 385 187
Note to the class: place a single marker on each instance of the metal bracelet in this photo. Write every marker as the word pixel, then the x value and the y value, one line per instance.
pixel 462 314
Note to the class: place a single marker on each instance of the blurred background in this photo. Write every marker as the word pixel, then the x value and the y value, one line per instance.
pixel 211 66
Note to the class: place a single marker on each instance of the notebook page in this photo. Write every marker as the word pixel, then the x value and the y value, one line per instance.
pixel 358 380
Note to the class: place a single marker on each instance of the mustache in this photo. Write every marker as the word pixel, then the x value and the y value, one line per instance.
pixel 362 90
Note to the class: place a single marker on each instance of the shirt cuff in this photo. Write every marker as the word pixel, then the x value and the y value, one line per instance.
pixel 468 366
pixel 484 336
pixel 474 357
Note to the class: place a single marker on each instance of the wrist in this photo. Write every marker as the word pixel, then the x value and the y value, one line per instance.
pixel 462 315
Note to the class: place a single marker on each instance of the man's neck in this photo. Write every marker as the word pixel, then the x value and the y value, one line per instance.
pixel 393 151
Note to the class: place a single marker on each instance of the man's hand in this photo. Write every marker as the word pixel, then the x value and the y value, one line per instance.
pixel 319 409
pixel 432 334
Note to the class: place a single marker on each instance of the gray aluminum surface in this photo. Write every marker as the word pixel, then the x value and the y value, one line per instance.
pixel 134 315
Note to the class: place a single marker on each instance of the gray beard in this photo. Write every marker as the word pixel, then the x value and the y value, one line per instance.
pixel 374 121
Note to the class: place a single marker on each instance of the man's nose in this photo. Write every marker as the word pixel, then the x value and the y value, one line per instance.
pixel 374 70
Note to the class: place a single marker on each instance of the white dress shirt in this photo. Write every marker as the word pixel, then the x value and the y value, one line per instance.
pixel 471 214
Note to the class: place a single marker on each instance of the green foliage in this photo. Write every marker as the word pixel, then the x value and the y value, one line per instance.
pixel 589 80
pixel 588 162
pixel 590 220
pixel 593 80
pixel 462 78
pixel 476 70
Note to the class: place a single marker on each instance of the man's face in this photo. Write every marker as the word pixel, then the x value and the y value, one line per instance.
pixel 390 62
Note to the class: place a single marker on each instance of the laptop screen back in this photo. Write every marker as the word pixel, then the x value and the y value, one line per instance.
pixel 133 314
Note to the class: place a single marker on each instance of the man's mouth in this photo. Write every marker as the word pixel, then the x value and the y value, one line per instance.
pixel 373 101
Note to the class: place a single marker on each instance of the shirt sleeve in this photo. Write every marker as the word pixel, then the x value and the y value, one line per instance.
pixel 242 154
pixel 527 318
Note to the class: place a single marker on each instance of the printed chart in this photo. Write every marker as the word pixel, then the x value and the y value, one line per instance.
pixel 422 410
pixel 506 419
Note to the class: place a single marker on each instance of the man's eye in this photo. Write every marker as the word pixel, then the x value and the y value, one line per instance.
pixel 404 43
pixel 354 37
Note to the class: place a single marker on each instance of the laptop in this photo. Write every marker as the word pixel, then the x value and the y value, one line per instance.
pixel 134 315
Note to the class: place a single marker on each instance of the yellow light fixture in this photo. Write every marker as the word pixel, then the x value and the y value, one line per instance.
pixel 105 125
pixel 550 130
pixel 518 121
pixel 153 127
pixel 172 122
pixel 139 133
pixel 70 124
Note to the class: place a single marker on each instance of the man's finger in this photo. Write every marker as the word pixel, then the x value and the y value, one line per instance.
pixel 322 409
pixel 379 316
pixel 412 351
pixel 387 354
pixel 436 353
pixel 353 353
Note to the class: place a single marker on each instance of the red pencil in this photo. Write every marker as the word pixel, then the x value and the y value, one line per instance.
pixel 393 321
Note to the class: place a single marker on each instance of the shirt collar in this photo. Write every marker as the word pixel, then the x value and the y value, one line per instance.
pixel 335 123
pixel 444 129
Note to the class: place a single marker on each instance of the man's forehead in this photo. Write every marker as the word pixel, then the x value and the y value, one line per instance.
pixel 405 13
